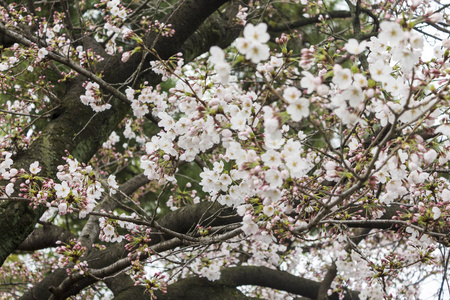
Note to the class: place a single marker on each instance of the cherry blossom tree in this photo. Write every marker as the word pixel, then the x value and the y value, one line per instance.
pixel 214 149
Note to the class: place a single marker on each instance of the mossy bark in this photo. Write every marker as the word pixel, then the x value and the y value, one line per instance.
pixel 76 130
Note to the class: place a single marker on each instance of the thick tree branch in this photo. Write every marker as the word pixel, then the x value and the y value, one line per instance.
pixel 45 237
pixel 91 229
pixel 185 18
pixel 6 41
pixel 230 278
pixel 123 287
pixel 201 289
pixel 219 29
pixel 338 14
pixel 252 275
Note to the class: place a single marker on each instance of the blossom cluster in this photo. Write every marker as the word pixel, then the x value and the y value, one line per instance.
pixel 78 189
pixel 253 44
pixel 109 228
pixel 71 253
pixel 7 173
pixel 93 97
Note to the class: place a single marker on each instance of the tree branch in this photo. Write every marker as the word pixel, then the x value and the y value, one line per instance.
pixel 123 287
pixel 91 229
pixel 219 29
pixel 338 14
pixel 250 275
pixel 45 237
